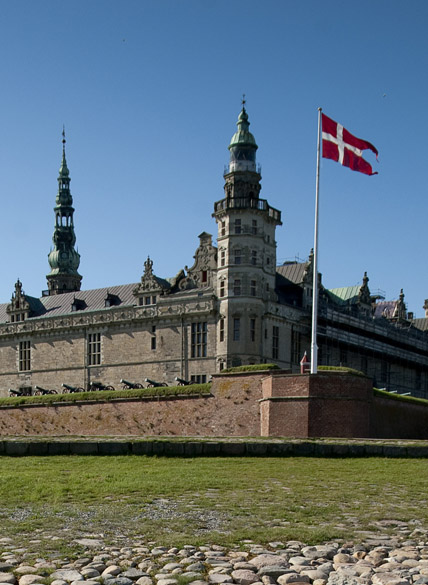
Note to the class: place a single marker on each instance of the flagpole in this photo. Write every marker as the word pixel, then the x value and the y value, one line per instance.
pixel 314 346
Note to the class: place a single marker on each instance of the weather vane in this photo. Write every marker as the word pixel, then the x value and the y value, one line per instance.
pixel 244 101
pixel 63 134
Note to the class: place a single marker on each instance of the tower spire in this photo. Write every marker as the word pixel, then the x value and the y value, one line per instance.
pixel 63 259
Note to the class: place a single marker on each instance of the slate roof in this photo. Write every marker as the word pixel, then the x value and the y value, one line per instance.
pixel 91 300
pixel 385 309
pixel 292 271
pixel 421 323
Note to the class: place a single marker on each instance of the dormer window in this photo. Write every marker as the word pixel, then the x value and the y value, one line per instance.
pixel 148 300
pixel 78 305
pixel 111 300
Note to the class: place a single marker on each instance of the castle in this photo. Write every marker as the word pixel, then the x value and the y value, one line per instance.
pixel 233 306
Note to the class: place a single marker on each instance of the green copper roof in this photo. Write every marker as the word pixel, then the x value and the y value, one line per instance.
pixel 243 135
pixel 345 293
pixel 63 258
pixel 63 169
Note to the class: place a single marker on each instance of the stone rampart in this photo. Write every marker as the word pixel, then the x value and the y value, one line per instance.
pixel 328 404
pixel 231 409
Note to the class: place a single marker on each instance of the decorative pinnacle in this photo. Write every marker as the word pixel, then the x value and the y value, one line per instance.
pixel 244 101
pixel 63 139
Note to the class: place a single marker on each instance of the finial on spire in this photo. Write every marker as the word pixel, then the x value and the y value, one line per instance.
pixel 148 266
pixel 244 101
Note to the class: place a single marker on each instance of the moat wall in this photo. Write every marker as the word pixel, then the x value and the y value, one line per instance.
pixel 328 404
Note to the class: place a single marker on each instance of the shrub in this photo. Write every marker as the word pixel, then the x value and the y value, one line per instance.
pixel 251 368
pixel 341 369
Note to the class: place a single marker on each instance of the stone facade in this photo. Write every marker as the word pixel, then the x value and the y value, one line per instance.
pixel 233 306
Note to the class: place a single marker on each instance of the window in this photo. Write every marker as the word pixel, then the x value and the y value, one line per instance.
pixel 223 258
pixel 204 278
pixel 237 287
pixel 236 329
pixel 275 342
pixel 253 288
pixel 78 305
pixel 254 226
pixel 94 349
pixel 343 356
pixel 24 356
pixel 237 253
pixel 221 329
pixel 254 257
pixel 252 329
pixel 199 340
pixel 221 288
pixel 223 228
pixel 295 347
pixel 238 226
pixel 198 378
pixel 148 300
pixel 153 338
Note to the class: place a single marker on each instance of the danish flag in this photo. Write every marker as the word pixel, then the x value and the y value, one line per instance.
pixel 340 145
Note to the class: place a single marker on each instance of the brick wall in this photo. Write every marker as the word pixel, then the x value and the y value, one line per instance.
pixel 397 419
pixel 333 404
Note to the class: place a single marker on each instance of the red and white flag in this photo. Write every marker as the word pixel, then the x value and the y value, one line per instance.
pixel 341 146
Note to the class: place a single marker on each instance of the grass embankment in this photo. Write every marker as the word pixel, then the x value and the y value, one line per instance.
pixel 182 501
pixel 108 395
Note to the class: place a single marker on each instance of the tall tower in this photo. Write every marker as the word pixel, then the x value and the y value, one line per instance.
pixel 246 269
pixel 63 258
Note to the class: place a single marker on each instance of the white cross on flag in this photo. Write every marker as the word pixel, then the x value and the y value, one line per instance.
pixel 341 146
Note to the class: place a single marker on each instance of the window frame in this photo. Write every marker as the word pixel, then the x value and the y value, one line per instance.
pixel 94 348
pixel 24 356
pixel 275 342
pixel 199 339
pixel 236 329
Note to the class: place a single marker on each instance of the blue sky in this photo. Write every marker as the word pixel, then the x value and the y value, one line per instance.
pixel 150 91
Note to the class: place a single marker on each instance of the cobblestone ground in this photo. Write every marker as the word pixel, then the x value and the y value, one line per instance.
pixel 400 557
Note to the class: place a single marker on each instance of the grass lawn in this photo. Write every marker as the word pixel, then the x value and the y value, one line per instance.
pixel 218 500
